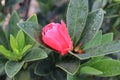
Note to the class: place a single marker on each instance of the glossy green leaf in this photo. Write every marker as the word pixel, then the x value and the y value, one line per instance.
pixel 72 77
pixel 12 68
pixel 76 18
pixel 33 18
pixel 109 67
pixel 90 70
pixel 107 38
pixel 70 66
pixel 20 39
pixel 104 49
pixel 14 44
pixel 94 22
pixel 94 42
pixel 35 54
pixel 31 29
pixel 12 27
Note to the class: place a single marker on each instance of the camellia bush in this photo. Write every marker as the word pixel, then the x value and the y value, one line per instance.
pixel 71 49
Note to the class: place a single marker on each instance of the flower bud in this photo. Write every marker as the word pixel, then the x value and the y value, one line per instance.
pixel 55 35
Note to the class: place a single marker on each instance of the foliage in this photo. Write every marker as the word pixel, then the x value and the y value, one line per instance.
pixel 92 23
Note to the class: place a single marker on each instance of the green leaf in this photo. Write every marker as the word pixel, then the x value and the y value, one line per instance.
pixel 8 54
pixel 12 68
pixel 90 70
pixel 44 67
pixel 109 67
pixel 23 75
pixel 70 66
pixel 14 44
pixel 35 54
pixel 12 27
pixel 2 64
pixel 94 42
pixel 33 18
pixel 116 0
pixel 59 74
pixel 72 77
pixel 107 38
pixel 3 39
pixel 4 51
pixel 104 49
pixel 76 18
pixel 20 39
pixel 31 29
pixel 25 49
pixel 94 22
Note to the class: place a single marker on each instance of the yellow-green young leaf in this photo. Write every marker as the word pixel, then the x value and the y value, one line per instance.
pixel 8 54
pixel 14 44
pixel 20 39
pixel 33 18
pixel 4 51
pixel 25 49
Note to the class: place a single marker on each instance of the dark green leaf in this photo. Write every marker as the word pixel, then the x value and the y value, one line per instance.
pixel 108 48
pixel 3 39
pixel 12 68
pixel 93 25
pixel 94 42
pixel 76 18
pixel 70 66
pixel 44 67
pixel 31 29
pixel 22 75
pixel 12 26
pixel 59 74
pixel 2 64
pixel 35 54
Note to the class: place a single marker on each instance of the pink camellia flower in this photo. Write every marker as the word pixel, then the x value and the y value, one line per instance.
pixel 56 36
